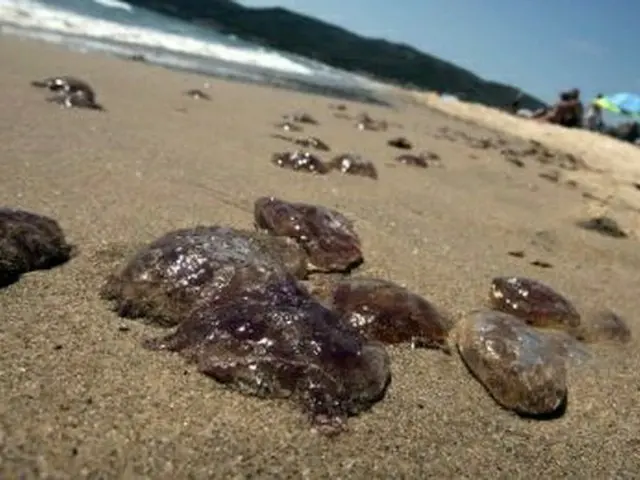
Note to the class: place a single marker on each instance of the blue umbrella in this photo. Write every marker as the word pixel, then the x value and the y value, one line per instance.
pixel 626 103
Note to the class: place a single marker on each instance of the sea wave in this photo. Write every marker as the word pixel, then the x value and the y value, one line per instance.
pixel 115 4
pixel 154 56
pixel 50 20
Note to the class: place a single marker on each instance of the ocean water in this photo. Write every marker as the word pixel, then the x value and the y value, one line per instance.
pixel 115 27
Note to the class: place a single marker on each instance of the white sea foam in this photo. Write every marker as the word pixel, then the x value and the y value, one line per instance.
pixel 115 4
pixel 47 20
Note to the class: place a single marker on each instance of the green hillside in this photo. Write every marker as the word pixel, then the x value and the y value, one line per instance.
pixel 306 36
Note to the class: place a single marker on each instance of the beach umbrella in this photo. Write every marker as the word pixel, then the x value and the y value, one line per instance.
pixel 623 103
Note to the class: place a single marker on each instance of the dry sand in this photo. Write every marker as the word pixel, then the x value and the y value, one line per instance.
pixel 81 398
pixel 616 165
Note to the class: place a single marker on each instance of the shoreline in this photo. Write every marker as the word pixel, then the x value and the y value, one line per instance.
pixel 273 79
pixel 82 399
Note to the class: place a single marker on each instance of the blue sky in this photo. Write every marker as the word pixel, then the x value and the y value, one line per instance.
pixel 541 46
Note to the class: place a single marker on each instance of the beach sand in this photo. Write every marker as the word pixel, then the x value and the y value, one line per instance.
pixel 615 165
pixel 79 396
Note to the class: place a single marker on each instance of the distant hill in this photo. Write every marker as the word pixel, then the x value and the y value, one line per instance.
pixel 306 36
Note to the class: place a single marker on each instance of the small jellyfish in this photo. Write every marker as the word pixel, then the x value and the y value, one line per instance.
pixel 533 301
pixel 401 143
pixel 299 161
pixel 603 326
pixel 328 237
pixel 289 127
pixel 276 341
pixel 313 142
pixel 29 241
pixel 523 370
pixel 413 160
pixel 385 311
pixel 197 94
pixel 353 165
pixel 365 122
pixel 302 117
pixel 164 280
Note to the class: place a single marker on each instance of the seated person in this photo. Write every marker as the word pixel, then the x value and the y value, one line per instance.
pixel 567 112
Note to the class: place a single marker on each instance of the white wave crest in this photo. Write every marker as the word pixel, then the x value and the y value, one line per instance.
pixel 29 14
pixel 115 4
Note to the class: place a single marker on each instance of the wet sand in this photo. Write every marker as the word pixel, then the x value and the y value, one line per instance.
pixel 82 399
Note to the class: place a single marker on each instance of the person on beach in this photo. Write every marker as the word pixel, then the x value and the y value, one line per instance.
pixel 593 119
pixel 568 112
pixel 627 131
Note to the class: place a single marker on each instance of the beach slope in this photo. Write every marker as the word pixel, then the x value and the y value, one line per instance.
pixel 81 399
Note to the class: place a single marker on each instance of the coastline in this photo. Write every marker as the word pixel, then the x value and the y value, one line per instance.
pixel 82 399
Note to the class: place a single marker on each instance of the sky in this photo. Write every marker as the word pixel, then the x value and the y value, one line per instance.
pixel 541 46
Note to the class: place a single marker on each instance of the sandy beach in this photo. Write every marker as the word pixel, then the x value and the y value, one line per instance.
pixel 79 396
